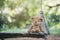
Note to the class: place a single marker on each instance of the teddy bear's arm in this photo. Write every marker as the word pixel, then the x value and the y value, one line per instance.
pixel 30 28
pixel 41 29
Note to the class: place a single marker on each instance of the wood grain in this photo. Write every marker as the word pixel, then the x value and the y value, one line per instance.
pixel 29 38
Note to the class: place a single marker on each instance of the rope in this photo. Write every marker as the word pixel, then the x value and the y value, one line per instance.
pixel 41 4
pixel 44 20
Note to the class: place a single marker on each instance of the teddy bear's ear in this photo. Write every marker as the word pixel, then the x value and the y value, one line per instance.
pixel 32 18
pixel 41 19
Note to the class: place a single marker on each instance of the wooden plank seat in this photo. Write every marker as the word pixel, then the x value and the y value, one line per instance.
pixel 14 35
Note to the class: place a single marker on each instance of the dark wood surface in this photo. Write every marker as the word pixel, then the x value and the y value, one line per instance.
pixel 14 35
pixel 19 36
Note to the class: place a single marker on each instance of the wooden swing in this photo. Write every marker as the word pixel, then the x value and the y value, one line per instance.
pixel 34 35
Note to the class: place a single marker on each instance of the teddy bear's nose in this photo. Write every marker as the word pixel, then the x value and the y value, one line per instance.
pixel 35 22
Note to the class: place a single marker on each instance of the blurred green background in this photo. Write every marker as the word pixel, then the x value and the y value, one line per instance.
pixel 15 15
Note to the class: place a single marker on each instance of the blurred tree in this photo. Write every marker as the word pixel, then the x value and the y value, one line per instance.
pixel 55 18
pixel 1 3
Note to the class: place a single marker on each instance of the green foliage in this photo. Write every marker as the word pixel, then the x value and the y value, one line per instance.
pixel 55 18
pixel 1 3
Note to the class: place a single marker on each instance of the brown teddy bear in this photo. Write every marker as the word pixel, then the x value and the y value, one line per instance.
pixel 36 24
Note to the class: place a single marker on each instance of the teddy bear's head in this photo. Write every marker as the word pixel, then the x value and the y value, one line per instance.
pixel 37 20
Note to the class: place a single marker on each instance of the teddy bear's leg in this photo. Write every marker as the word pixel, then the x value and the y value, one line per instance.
pixel 31 29
pixel 37 30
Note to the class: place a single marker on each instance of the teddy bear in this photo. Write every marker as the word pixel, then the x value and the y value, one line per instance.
pixel 36 26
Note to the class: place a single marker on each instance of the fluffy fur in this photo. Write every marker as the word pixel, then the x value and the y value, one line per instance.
pixel 36 24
